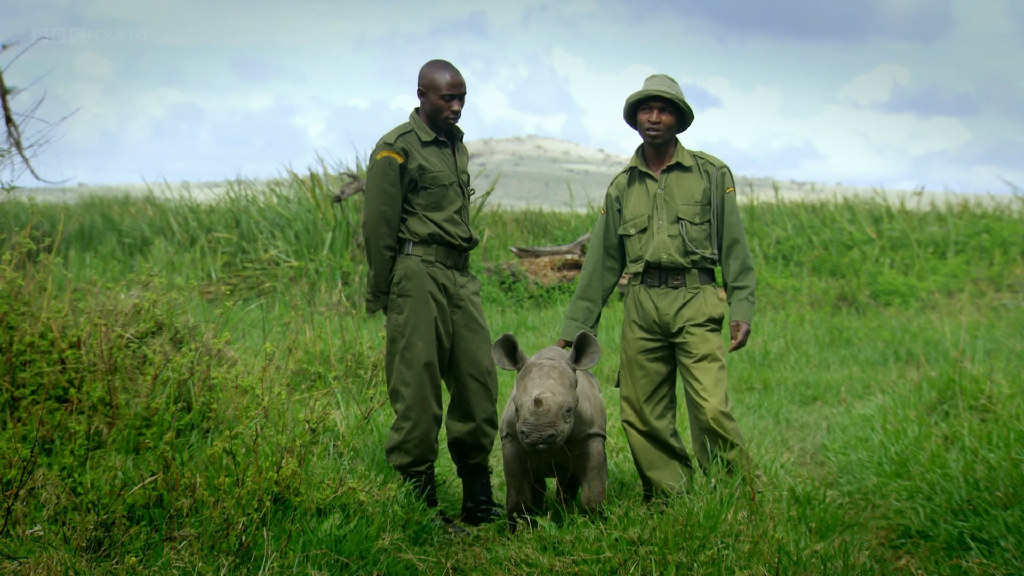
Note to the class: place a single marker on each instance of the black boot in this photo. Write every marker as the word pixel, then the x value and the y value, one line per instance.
pixel 478 505
pixel 424 484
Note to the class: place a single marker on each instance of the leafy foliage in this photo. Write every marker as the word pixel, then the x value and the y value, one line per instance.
pixel 190 385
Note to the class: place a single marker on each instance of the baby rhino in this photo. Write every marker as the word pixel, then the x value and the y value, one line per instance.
pixel 553 426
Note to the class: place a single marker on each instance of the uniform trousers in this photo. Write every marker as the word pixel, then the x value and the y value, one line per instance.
pixel 666 331
pixel 437 333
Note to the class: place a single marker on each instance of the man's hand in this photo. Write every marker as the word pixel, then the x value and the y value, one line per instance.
pixel 563 344
pixel 739 331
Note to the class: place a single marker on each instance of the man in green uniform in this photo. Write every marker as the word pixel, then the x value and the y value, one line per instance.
pixel 417 236
pixel 669 218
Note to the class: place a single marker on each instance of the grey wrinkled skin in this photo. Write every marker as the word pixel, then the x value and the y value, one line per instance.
pixel 553 426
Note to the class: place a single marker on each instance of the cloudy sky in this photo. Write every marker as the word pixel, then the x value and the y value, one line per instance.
pixel 894 94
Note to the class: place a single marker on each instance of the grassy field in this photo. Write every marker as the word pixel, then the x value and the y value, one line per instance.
pixel 191 387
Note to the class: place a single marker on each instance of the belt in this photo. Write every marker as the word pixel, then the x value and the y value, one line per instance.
pixel 676 277
pixel 454 259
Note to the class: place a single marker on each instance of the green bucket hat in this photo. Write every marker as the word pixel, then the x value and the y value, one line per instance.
pixel 662 86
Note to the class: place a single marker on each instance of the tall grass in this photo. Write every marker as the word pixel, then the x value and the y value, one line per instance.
pixel 191 386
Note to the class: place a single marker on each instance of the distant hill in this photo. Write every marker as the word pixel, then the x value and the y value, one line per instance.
pixel 538 171
pixel 551 173
pixel 531 171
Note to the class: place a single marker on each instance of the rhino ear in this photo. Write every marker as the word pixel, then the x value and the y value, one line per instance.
pixel 507 354
pixel 585 351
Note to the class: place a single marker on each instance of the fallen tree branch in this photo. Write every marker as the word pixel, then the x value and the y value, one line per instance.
pixel 578 248
pixel 559 264
pixel 354 186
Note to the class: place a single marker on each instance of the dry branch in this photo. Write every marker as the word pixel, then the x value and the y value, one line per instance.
pixel 354 186
pixel 558 264
pixel 550 265
pixel 21 143
pixel 577 248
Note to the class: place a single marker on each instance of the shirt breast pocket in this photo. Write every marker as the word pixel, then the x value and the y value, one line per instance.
pixel 634 239
pixel 695 228
pixel 438 191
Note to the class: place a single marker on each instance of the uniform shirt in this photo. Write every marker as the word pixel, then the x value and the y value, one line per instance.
pixel 416 189
pixel 665 221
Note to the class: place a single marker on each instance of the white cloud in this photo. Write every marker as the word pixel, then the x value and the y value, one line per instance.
pixel 841 141
pixel 896 133
pixel 94 67
pixel 358 103
pixel 208 83
pixel 874 148
pixel 491 103
pixel 601 94
pixel 312 120
pixel 748 119
pixel 501 111
pixel 875 86
pixel 403 103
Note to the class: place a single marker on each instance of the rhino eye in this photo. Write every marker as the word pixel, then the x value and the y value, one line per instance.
pixel 567 413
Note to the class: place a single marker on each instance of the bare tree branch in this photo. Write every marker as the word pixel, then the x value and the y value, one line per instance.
pixel 354 186
pixel 20 144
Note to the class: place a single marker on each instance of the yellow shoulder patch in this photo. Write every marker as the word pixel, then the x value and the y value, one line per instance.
pixel 730 189
pixel 602 210
pixel 389 154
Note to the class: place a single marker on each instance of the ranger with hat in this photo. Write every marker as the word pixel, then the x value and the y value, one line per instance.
pixel 669 219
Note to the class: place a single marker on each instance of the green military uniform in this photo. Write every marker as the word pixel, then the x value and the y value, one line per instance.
pixel 417 236
pixel 669 232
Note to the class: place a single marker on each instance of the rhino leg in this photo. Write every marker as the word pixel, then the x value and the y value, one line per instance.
pixel 538 489
pixel 524 497
pixel 595 476
pixel 568 487
pixel 519 490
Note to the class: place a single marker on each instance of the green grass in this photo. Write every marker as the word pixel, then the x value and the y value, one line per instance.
pixel 192 387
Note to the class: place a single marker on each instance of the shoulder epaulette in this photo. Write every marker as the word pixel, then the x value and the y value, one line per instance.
pixel 625 170
pixel 387 146
pixel 391 137
pixel 708 157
